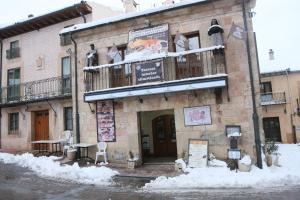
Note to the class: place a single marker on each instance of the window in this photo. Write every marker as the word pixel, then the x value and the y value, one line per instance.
pixel 13 120
pixel 68 118
pixel 266 87
pixel 121 73
pixel 66 38
pixel 13 84
pixel 66 75
pixel 189 65
pixel 14 50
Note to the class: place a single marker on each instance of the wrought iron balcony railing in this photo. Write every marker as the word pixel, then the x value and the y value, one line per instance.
pixel 13 53
pixel 41 90
pixel 272 98
pixel 174 67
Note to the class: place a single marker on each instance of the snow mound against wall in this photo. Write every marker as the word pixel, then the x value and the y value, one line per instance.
pixel 49 168
pixel 222 177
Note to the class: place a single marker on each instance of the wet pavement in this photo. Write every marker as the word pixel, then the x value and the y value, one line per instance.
pixel 20 183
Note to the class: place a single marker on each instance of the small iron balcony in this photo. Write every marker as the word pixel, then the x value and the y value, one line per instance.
pixel 272 98
pixel 35 91
pixel 13 53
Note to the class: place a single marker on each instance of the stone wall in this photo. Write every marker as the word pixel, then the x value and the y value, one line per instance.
pixel 237 111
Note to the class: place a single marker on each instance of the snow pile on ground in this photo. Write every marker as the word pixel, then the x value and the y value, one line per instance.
pixel 215 177
pixel 246 160
pixel 47 167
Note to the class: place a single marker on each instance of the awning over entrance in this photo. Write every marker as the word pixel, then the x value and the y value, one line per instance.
pixel 212 81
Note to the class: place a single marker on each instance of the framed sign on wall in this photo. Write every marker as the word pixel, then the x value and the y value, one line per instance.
pixel 197 153
pixel 105 121
pixel 196 116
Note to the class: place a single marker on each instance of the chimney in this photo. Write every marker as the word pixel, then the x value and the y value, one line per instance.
pixel 271 54
pixel 129 6
pixel 168 2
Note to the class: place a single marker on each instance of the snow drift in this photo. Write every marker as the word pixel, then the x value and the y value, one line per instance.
pixel 49 168
pixel 216 177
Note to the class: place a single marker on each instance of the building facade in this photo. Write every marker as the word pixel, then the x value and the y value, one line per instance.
pixel 280 96
pixel 162 80
pixel 36 75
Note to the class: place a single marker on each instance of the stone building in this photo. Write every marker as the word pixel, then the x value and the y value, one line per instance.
pixel 36 79
pixel 280 96
pixel 150 96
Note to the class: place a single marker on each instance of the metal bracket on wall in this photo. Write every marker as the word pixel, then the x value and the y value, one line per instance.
pixel 24 116
pixel 140 100
pixel 55 114
pixel 165 96
pixel 92 110
pixel 195 93
pixel 27 108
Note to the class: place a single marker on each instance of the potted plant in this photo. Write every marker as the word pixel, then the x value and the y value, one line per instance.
pixel 270 149
pixel 71 153
pixel 132 162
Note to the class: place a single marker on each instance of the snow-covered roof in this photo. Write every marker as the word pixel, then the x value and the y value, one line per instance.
pixel 44 20
pixel 80 27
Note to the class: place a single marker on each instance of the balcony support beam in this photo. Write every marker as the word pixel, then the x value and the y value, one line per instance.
pixel 55 114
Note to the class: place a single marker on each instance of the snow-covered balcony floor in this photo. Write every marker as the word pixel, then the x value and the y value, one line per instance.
pixel 188 84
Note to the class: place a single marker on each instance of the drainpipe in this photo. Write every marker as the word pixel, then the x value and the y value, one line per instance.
pixel 76 92
pixel 291 103
pixel 1 56
pixel 254 114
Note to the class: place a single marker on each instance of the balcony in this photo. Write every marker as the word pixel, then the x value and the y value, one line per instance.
pixel 13 53
pixel 36 91
pixel 273 98
pixel 185 71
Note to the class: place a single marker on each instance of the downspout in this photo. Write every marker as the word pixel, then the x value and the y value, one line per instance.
pixel 1 56
pixel 254 114
pixel 291 104
pixel 76 92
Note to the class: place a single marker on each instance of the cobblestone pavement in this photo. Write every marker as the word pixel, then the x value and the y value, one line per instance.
pixel 19 183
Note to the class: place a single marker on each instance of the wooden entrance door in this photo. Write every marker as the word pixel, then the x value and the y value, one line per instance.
pixel 41 125
pixel 164 136
pixel 271 127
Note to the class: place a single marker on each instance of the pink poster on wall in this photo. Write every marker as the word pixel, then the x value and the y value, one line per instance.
pixel 105 121
pixel 195 116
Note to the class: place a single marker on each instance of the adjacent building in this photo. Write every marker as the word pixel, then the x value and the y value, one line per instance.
pixel 280 100
pixel 36 75
pixel 150 81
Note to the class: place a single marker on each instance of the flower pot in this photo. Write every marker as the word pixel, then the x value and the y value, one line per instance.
pixel 244 167
pixel 269 160
pixel 131 164
pixel 71 154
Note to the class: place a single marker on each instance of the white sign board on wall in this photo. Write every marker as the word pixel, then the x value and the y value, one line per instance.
pixel 198 153
pixel 195 116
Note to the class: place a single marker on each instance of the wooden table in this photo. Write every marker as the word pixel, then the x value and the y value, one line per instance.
pixel 85 147
pixel 55 144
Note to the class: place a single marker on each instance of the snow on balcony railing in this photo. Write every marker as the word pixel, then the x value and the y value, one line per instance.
pixel 272 98
pixel 175 66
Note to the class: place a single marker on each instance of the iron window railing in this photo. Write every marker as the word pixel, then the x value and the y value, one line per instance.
pixel 199 64
pixel 272 98
pixel 45 89
pixel 13 53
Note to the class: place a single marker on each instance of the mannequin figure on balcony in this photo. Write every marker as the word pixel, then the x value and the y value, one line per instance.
pixel 92 57
pixel 215 32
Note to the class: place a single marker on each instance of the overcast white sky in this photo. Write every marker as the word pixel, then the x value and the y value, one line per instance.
pixel 276 24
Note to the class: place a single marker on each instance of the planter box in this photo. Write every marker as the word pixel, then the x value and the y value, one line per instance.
pixel 131 164
pixel 71 154
pixel 244 167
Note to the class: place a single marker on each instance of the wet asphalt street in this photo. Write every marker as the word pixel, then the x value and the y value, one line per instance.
pixel 19 183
